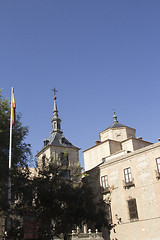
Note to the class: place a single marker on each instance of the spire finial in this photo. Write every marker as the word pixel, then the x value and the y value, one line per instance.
pixel 114 116
pixel 55 111
pixel 54 90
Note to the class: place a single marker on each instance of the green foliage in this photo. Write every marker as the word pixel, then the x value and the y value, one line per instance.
pixel 21 152
pixel 59 204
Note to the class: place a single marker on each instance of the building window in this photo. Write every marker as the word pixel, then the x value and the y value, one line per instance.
pixel 128 180
pixel 158 168
pixel 64 159
pixel 108 213
pixel 104 181
pixel 43 161
pixel 158 164
pixel 66 174
pixel 132 206
pixel 127 175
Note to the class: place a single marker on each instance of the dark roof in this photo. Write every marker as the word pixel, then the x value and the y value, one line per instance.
pixel 57 139
pixel 116 124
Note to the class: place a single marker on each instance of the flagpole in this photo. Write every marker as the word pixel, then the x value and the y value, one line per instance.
pixel 10 158
pixel 10 141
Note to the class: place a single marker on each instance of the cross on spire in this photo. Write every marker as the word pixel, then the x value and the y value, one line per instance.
pixel 54 90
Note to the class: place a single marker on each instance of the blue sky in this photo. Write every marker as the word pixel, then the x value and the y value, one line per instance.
pixel 99 54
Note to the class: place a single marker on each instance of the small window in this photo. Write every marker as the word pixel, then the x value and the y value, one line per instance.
pixel 58 126
pixel 132 206
pixel 128 180
pixel 61 155
pixel 43 161
pixel 104 181
pixel 158 164
pixel 108 213
pixel 64 159
pixel 66 174
pixel 127 175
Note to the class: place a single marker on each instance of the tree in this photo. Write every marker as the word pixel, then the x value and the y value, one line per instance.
pixel 59 204
pixel 21 153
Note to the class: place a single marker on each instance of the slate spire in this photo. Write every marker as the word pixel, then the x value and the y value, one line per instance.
pixel 56 121
pixel 56 138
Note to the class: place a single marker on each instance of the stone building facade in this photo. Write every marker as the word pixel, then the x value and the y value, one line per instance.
pixel 127 171
pixel 58 149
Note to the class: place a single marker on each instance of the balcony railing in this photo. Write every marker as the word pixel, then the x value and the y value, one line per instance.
pixel 128 184
pixel 157 174
pixel 105 190
pixel 83 236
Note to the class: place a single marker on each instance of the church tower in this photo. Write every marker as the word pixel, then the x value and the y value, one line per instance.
pixel 57 148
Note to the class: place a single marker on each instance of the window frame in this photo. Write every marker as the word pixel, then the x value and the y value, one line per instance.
pixel 64 159
pixel 133 213
pixel 43 161
pixel 108 211
pixel 128 176
pixel 158 164
pixel 104 182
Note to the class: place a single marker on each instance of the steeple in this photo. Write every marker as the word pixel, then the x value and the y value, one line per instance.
pixel 56 138
pixel 56 121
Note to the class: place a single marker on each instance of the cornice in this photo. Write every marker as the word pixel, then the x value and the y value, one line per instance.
pixel 129 155
pixel 100 143
pixel 53 146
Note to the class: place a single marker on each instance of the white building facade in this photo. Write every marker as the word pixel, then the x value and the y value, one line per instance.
pixel 129 179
